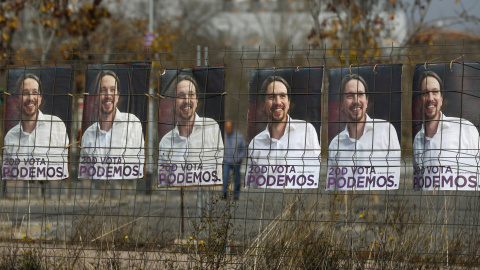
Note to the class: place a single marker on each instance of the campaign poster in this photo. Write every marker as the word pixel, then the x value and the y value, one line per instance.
pixel 284 119
pixel 445 126
pixel 38 118
pixel 364 128
pixel 114 122
pixel 190 127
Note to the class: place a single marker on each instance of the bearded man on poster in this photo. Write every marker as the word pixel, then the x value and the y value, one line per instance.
pixel 443 141
pixel 116 138
pixel 365 142
pixel 195 142
pixel 285 142
pixel 39 137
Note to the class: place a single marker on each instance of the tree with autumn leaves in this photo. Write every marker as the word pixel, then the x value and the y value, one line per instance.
pixel 38 28
pixel 42 32
pixel 9 12
pixel 47 30
pixel 349 25
pixel 355 29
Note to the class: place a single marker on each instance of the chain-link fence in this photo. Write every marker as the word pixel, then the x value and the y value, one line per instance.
pixel 333 160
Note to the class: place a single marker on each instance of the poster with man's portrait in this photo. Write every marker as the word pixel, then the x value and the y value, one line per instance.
pixel 38 117
pixel 364 128
pixel 114 122
pixel 445 126
pixel 284 119
pixel 190 127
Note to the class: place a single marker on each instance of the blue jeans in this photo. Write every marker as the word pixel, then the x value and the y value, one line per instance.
pixel 236 178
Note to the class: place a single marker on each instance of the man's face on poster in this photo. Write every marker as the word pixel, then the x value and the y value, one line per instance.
pixel 108 94
pixel 432 98
pixel 355 101
pixel 277 102
pixel 186 101
pixel 30 98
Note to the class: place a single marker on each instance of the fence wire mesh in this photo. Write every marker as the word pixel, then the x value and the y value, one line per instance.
pixel 344 160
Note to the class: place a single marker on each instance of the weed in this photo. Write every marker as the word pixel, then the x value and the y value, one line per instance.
pixel 212 235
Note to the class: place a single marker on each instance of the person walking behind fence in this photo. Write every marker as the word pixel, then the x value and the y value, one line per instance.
pixel 235 148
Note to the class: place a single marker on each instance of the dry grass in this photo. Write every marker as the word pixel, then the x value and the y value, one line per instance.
pixel 398 238
pixel 353 232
